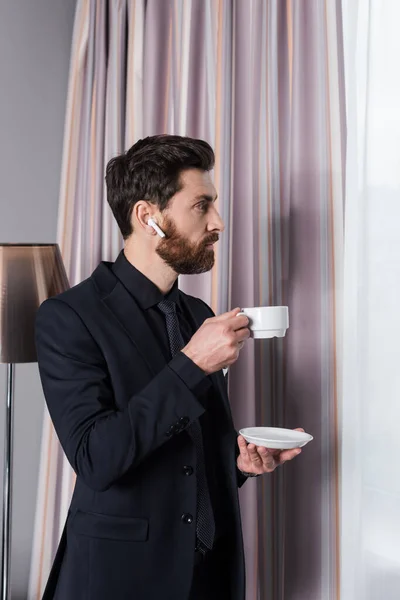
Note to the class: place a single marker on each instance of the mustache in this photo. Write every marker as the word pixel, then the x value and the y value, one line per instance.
pixel 211 239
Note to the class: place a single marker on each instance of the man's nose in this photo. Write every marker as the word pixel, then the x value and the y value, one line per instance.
pixel 216 222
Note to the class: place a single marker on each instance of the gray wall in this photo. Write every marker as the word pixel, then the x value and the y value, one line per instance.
pixel 35 44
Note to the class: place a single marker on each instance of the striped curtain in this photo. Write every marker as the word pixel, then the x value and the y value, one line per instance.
pixel 262 82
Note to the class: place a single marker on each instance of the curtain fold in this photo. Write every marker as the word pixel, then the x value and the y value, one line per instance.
pixel 370 494
pixel 259 81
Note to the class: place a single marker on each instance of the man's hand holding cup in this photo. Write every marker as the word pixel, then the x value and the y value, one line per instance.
pixel 217 343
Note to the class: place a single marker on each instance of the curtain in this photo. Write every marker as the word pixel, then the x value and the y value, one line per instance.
pixel 370 497
pixel 262 82
pixel 103 116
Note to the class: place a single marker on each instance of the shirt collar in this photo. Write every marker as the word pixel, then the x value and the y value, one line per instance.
pixel 145 292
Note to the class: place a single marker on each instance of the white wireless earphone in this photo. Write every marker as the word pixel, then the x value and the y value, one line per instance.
pixel 154 225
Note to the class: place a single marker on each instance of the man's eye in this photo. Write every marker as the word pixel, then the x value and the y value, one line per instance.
pixel 202 206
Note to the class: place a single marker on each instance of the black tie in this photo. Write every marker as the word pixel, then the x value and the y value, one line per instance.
pixel 205 527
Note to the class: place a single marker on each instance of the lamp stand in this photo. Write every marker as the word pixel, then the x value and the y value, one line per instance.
pixel 8 452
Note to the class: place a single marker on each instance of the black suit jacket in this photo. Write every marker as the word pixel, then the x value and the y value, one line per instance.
pixel 120 412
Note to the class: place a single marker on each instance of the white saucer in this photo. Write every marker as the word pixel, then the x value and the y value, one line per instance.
pixel 275 437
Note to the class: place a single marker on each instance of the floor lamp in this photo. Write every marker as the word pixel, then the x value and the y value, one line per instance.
pixel 29 273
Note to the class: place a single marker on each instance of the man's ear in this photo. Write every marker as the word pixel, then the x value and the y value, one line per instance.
pixel 156 228
pixel 141 214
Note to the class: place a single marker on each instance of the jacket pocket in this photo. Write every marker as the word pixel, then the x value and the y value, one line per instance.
pixel 96 525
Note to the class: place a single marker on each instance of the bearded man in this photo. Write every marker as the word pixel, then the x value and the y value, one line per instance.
pixel 132 372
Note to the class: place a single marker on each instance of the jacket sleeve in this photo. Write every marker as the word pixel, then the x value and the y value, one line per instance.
pixel 241 478
pixel 101 442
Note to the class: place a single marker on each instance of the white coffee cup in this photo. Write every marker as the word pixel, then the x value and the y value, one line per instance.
pixel 267 321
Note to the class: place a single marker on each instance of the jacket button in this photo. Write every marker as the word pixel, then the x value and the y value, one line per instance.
pixel 187 470
pixel 171 431
pixel 184 421
pixel 187 518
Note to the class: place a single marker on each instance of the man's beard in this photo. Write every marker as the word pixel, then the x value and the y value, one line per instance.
pixel 181 255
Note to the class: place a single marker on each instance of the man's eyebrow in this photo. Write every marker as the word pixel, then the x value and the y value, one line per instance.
pixel 206 197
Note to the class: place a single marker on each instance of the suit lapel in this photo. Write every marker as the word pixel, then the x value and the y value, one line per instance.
pixel 130 316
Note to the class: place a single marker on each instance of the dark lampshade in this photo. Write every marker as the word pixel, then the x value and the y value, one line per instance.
pixel 29 273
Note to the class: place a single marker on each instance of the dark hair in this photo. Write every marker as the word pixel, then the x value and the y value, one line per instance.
pixel 150 170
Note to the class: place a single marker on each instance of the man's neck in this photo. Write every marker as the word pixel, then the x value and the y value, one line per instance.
pixel 151 265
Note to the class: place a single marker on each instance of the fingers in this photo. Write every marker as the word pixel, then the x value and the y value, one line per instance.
pixel 248 452
pixel 242 447
pixel 239 322
pixel 242 335
pixel 260 457
pixel 228 315
pixel 270 458
pixel 235 322
pixel 289 455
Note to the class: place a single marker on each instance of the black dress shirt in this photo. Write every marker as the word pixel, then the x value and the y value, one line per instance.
pixel 147 295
